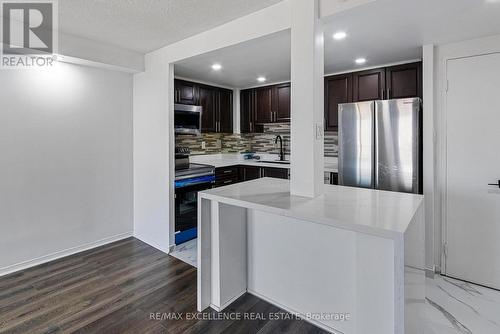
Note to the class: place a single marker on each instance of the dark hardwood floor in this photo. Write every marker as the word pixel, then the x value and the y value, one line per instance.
pixel 124 287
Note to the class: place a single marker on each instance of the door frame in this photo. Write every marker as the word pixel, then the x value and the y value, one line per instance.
pixel 445 54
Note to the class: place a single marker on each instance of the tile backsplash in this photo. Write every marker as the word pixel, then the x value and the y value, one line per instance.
pixel 255 142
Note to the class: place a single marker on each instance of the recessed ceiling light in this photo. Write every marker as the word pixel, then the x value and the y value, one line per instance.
pixel 216 67
pixel 339 35
pixel 261 79
pixel 360 61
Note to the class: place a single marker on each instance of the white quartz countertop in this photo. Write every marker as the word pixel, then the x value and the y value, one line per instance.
pixel 382 213
pixel 231 159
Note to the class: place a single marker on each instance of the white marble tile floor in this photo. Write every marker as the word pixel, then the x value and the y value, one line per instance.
pixel 453 306
pixel 187 252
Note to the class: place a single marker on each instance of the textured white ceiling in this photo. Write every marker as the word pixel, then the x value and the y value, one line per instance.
pixel 383 32
pixel 146 25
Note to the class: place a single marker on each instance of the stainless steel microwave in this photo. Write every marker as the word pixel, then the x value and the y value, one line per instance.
pixel 187 119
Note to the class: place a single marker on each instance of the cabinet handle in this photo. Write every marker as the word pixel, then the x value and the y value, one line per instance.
pixel 228 181
pixel 382 93
pixel 228 171
pixel 388 94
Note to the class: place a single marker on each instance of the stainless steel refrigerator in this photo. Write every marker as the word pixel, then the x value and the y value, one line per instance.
pixel 380 145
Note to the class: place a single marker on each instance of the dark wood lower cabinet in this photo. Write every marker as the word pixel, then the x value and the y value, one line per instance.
pixel 226 182
pixel 248 173
pixel 334 179
pixel 278 173
pixel 233 174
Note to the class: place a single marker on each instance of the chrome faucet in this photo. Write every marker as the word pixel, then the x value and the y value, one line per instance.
pixel 282 152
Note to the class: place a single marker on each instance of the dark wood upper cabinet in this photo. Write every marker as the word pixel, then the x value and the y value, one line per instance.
pixel 208 103
pixel 369 85
pixel 263 105
pixel 225 111
pixel 186 92
pixel 394 82
pixel 338 90
pixel 217 104
pixel 281 105
pixel 270 104
pixel 247 102
pixel 404 81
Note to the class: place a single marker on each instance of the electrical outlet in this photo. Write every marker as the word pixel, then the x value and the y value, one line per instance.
pixel 203 145
pixel 219 143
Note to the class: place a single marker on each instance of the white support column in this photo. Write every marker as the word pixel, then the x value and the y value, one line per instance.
pixel 428 151
pixel 307 167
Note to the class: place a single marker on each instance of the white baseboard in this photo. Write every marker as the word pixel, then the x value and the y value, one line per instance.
pixel 229 302
pixel 300 315
pixel 161 248
pixel 430 272
pixel 63 253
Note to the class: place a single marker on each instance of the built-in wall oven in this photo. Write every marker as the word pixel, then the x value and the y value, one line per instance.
pixel 188 181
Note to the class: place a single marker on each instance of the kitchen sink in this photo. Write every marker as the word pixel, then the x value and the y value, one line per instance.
pixel 275 162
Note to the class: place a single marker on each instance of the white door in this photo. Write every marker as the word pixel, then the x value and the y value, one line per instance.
pixel 473 161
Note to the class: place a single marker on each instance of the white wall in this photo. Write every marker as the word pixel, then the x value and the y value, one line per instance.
pixel 65 162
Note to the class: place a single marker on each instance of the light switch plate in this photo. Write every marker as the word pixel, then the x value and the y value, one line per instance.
pixel 319 131
pixel 203 145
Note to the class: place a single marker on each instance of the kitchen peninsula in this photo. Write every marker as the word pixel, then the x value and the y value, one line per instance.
pixel 349 261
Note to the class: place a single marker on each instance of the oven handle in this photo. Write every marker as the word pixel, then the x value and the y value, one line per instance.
pixel 204 179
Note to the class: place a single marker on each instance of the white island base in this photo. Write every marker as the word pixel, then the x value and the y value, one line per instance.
pixel 350 261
